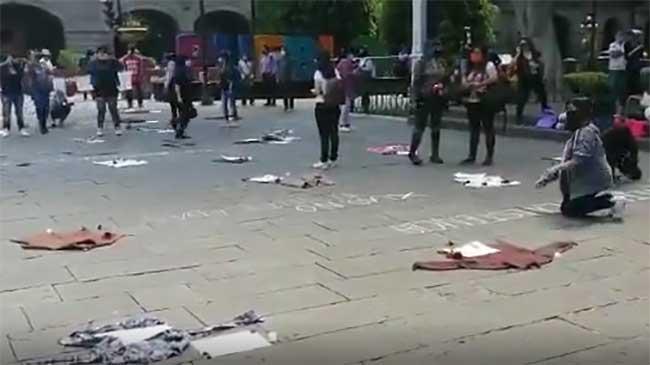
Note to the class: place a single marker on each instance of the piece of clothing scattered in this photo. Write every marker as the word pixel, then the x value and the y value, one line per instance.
pixel 303 182
pixel 157 130
pixel 264 179
pixel 509 256
pixel 399 149
pixel 249 141
pixel 234 159
pixel 149 340
pixel 483 180
pixel 82 239
pixel 119 163
pixel 90 140
pixel 471 249
pixel 280 136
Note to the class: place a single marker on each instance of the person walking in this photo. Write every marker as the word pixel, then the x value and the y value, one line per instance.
pixel 170 93
pixel 480 76
pixel 617 66
pixel 348 71
pixel 245 66
pixel 39 85
pixel 134 63
pixel 83 66
pixel 181 85
pixel 12 71
pixel 329 92
pixel 104 71
pixel 229 77
pixel 285 69
pixel 584 173
pixel 530 75
pixel 269 70
pixel 429 73
pixel 368 73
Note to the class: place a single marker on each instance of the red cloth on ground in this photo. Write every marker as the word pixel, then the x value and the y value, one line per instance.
pixel 509 257
pixel 82 239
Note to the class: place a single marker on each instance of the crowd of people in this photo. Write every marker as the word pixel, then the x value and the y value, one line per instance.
pixel 624 68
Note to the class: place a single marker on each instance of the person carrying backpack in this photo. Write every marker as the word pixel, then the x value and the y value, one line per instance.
pixel 328 88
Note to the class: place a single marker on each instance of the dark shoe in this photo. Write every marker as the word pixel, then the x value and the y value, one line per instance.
pixel 44 131
pixel 415 160
pixel 436 160
pixel 488 161
pixel 468 161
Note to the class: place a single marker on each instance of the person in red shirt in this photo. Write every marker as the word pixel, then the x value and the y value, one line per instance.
pixel 134 63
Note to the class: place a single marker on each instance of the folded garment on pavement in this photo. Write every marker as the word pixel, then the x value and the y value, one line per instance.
pixel 82 239
pixel 399 149
pixel 471 249
pixel 264 179
pixel 508 256
pixel 90 140
pixel 482 180
pixel 234 159
pixel 248 141
pixel 119 163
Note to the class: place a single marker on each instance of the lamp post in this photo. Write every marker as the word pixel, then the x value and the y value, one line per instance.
pixel 206 98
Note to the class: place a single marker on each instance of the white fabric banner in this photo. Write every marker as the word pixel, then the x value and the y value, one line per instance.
pixel 125 80
pixel 83 83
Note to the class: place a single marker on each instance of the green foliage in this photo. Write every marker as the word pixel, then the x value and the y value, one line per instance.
pixel 344 19
pixel 375 46
pixel 591 84
pixel 480 15
pixel 394 22
pixel 68 60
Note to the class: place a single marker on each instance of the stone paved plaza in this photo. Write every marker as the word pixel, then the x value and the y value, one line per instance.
pixel 330 268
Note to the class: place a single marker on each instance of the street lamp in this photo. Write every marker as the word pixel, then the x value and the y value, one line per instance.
pixel 590 26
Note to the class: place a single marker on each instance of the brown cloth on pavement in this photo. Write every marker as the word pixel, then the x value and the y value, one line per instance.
pixel 509 257
pixel 82 239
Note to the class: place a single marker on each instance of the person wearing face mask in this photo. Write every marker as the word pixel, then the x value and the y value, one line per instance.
pixel 584 173
pixel 481 75
pixel 617 65
pixel 12 71
pixel 530 75
pixel 245 66
pixel 134 63
pixel 429 75
pixel 285 69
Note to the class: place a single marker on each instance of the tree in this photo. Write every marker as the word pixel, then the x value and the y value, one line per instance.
pixel 394 19
pixel 479 15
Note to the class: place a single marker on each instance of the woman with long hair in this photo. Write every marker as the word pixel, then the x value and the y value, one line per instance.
pixel 329 91
pixel 480 76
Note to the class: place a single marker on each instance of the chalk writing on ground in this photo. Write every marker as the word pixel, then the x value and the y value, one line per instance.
pixel 450 223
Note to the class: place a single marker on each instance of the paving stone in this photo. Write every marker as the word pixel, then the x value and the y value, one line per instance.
pixel 6 354
pixel 376 264
pixel 520 282
pixel 604 267
pixel 168 296
pixel 619 352
pixel 12 320
pixel 628 285
pixel 178 318
pixel 32 274
pixel 41 315
pixel 39 344
pixel 116 285
pixel 621 320
pixel 269 303
pixel 41 294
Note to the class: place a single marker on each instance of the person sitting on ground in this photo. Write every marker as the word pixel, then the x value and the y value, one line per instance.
pixel 622 152
pixel 60 108
pixel 583 173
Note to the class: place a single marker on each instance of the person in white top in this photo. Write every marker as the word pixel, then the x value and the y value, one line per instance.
pixel 245 66
pixel 328 89
pixel 482 74
pixel 617 65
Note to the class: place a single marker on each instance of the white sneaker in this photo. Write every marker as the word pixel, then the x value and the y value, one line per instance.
pixel 4 133
pixel 343 129
pixel 332 164
pixel 618 210
pixel 100 132
pixel 320 165
pixel 118 131
pixel 23 132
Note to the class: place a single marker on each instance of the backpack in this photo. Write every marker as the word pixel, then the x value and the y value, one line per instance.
pixel 334 92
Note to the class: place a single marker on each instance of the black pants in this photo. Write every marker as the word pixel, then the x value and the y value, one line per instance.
pixel 327 120
pixel 136 92
pixel 428 112
pixel 183 120
pixel 270 84
pixel 288 103
pixel 525 87
pixel 583 205
pixel 481 116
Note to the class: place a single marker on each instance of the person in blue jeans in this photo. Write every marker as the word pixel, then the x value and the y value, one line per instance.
pixel 12 71
pixel 229 82
pixel 39 81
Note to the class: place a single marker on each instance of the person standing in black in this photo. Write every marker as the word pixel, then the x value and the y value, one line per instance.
pixel 633 54
pixel 530 76
pixel 481 75
pixel 83 65
pixel 328 89
pixel 104 75
pixel 429 73
pixel 180 91
pixel 12 71
pixel 285 69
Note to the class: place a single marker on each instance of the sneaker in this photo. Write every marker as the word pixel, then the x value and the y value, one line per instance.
pixel 345 129
pixel 616 212
pixel 4 133
pixel 468 161
pixel 320 165
pixel 332 164
pixel 436 160
pixel 100 132
pixel 118 131
pixel 23 132
pixel 415 160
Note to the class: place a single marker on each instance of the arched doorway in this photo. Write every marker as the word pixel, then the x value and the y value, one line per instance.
pixel 562 35
pixel 161 35
pixel 609 32
pixel 25 27
pixel 222 21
